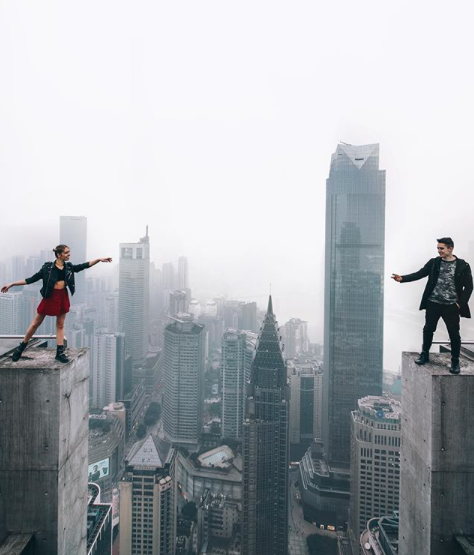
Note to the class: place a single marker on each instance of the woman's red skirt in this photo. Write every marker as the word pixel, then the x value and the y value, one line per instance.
pixel 56 304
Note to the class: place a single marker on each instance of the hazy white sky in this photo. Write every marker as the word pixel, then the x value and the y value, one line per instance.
pixel 214 122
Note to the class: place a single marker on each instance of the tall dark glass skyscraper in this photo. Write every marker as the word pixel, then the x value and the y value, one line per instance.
pixel 265 448
pixel 353 311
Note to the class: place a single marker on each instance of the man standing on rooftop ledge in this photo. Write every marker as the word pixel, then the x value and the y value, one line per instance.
pixel 446 296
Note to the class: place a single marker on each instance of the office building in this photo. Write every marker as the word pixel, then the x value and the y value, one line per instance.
pixel 43 450
pixel 183 376
pixel 375 463
pixel 148 499
pixel 134 284
pixel 306 411
pixel 73 233
pixel 353 308
pixel 266 448
pixel 10 313
pixel 238 350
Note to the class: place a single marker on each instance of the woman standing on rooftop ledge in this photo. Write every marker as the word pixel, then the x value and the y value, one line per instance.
pixel 57 276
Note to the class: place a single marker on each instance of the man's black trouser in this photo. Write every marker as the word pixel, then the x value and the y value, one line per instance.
pixel 450 314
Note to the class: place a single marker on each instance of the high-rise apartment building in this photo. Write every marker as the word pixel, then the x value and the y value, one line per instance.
pixel 107 372
pixel 295 337
pixel 353 309
pixel 148 499
pixel 306 406
pixel 10 313
pixel 183 374
pixel 375 463
pixel 134 285
pixel 238 350
pixel 73 233
pixel 111 309
pixel 266 448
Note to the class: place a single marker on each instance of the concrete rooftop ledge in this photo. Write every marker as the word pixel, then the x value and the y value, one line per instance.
pixel 440 363
pixel 40 359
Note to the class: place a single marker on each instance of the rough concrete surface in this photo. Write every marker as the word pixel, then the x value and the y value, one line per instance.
pixel 437 457
pixel 43 449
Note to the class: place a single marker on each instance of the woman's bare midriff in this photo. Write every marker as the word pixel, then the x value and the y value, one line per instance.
pixel 60 285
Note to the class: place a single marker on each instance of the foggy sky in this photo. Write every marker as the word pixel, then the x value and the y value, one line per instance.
pixel 214 123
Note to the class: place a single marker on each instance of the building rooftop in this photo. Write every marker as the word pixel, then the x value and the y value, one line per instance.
pixel 150 451
pixel 220 457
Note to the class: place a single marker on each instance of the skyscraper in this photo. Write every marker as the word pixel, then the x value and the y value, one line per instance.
pixel 353 307
pixel 266 448
pixel 73 233
pixel 238 349
pixel 134 285
pixel 148 499
pixel 295 337
pixel 183 372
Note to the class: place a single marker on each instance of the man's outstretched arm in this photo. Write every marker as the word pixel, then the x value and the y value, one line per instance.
pixel 423 272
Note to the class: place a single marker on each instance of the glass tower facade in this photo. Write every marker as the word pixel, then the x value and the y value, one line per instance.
pixel 353 311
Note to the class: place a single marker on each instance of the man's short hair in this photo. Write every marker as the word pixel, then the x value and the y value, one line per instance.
pixel 447 241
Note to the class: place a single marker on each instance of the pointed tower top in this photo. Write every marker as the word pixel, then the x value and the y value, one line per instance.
pixel 270 305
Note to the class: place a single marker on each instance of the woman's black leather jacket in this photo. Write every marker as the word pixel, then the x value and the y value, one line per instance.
pixel 49 274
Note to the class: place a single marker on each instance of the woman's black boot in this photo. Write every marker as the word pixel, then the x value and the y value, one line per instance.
pixel 61 355
pixel 18 351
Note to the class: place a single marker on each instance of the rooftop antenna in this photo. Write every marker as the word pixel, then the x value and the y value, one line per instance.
pixel 146 235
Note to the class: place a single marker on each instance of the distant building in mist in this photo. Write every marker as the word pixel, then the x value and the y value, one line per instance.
pixel 248 317
pixel 238 350
pixel 266 448
pixel 178 302
pixel 183 273
pixel 295 337
pixel 183 376
pixel 353 310
pixel 375 463
pixel 134 285
pixel 73 233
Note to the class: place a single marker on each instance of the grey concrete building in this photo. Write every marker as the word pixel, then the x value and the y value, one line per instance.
pixel 238 350
pixel 73 233
pixel 183 376
pixel 353 306
pixel 43 450
pixel 134 289
pixel 437 470
pixel 375 463
pixel 148 499
pixel 218 519
pixel 266 448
